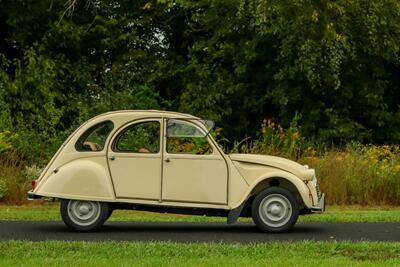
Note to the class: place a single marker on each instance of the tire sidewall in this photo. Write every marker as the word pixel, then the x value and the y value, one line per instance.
pixel 262 195
pixel 110 212
pixel 96 225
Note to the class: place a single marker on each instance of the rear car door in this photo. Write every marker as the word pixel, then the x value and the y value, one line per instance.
pixel 134 159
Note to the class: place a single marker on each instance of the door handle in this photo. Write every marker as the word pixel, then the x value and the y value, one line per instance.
pixel 112 158
pixel 167 160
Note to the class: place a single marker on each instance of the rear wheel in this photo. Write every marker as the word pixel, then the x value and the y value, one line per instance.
pixel 275 209
pixel 82 215
pixel 110 211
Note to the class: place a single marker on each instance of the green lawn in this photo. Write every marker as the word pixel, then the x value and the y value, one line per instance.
pixel 307 253
pixel 50 211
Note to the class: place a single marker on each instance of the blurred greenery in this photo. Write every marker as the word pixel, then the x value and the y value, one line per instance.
pixel 334 63
pixel 329 67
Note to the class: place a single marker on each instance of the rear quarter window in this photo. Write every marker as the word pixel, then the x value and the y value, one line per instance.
pixel 94 138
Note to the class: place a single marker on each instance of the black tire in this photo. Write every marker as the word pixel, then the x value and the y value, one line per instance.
pixel 110 211
pixel 275 210
pixel 82 215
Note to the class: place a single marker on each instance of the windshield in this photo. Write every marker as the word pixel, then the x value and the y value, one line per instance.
pixel 209 124
pixel 180 128
pixel 186 129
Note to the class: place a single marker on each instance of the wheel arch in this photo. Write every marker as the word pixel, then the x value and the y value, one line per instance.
pixel 279 179
pixel 277 182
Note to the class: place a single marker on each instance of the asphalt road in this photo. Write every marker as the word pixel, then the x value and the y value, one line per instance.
pixel 199 232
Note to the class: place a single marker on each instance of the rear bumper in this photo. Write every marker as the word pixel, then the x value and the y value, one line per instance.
pixel 320 207
pixel 32 196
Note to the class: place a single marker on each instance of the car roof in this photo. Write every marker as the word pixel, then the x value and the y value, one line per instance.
pixel 152 112
pixel 129 114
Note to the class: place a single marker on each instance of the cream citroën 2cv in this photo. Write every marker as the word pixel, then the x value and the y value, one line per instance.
pixel 168 162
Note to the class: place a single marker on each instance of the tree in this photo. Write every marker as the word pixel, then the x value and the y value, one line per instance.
pixel 335 63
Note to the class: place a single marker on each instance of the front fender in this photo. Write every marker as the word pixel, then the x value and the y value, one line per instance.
pixel 301 187
pixel 84 178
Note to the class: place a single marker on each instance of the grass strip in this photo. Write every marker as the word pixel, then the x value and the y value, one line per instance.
pixel 305 253
pixel 50 212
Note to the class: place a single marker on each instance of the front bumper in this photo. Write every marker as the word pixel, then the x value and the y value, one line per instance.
pixel 320 207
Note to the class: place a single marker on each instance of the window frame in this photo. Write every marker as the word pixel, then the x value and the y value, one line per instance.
pixel 186 121
pixel 126 127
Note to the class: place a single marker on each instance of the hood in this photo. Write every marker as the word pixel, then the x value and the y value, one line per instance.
pixel 303 172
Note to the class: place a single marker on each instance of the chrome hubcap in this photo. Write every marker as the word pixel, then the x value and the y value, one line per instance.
pixel 275 210
pixel 83 212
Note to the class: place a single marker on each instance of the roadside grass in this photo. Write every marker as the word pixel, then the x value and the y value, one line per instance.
pixel 50 212
pixel 305 253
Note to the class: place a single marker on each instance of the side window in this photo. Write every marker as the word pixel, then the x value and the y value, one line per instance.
pixel 95 137
pixel 142 137
pixel 184 137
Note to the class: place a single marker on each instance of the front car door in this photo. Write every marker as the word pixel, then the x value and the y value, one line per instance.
pixel 135 160
pixel 193 169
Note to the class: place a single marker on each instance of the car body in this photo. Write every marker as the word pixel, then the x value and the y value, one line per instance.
pixel 168 162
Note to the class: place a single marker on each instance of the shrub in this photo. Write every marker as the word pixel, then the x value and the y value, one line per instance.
pixel 277 141
pixel 3 188
pixel 13 183
pixel 366 175
pixel 354 174
pixel 6 139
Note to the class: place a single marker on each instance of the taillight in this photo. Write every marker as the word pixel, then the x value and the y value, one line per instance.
pixel 33 184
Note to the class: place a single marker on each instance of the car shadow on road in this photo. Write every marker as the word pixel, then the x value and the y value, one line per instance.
pixel 186 232
pixel 181 228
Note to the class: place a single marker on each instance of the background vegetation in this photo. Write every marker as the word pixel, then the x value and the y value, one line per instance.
pixel 315 81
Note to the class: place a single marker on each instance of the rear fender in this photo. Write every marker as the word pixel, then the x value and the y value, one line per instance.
pixel 84 178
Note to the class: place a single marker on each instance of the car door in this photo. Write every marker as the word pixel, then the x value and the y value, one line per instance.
pixel 135 160
pixel 193 169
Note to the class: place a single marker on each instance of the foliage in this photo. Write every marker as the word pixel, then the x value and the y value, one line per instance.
pixel 32 172
pixel 326 71
pixel 334 64
pixel 6 140
pixel 13 183
pixel 55 74
pixel 355 174
pixel 3 188
pixel 275 140
pixel 324 60
pixel 360 174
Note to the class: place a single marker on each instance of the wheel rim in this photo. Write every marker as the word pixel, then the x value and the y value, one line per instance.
pixel 83 213
pixel 275 210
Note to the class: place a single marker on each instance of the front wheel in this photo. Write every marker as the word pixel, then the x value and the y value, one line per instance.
pixel 275 210
pixel 82 215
